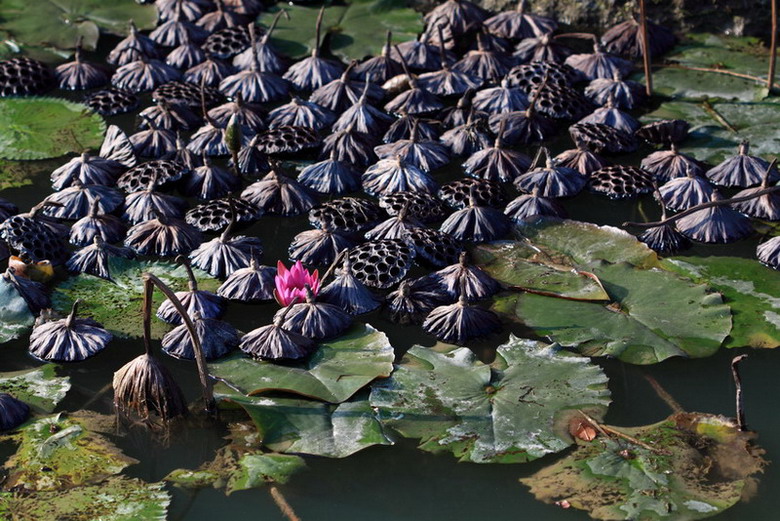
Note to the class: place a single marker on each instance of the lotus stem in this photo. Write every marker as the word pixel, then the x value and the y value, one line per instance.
pixel 267 35
pixel 739 398
pixel 664 394
pixel 191 281
pixel 770 80
pixel 282 503
pixel 317 28
pixel 412 82
pixel 704 206
pixel 150 281
pixel 73 311
pixel 645 48
pixel 229 228
pixel 333 266
pixel 442 50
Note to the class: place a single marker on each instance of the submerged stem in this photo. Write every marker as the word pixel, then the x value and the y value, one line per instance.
pixel 150 281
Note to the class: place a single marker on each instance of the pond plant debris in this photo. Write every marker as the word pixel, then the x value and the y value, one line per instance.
pixel 406 146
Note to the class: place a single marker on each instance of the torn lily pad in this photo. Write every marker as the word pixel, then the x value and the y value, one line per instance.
pixel 294 425
pixel 40 128
pixel 653 315
pixel 335 372
pixel 514 410
pixel 116 499
pixel 750 288
pixel 690 466
pixel 59 452
pixel 40 388
pixel 117 305
pixel 240 465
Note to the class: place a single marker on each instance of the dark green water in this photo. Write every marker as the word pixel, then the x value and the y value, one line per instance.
pixel 400 482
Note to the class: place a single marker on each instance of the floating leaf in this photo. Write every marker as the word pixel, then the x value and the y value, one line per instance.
pixel 116 499
pixel 710 140
pixel 708 51
pixel 295 37
pixel 750 288
pixel 336 371
pixel 360 30
pixel 59 452
pixel 15 315
pixel 240 465
pixel 521 266
pixel 690 466
pixel 117 305
pixel 654 315
pixel 60 23
pixel 582 243
pixel 310 427
pixel 356 30
pixel 39 388
pixel 15 174
pixel 39 128
pixel 516 409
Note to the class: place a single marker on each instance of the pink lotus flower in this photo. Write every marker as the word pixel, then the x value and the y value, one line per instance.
pixel 291 284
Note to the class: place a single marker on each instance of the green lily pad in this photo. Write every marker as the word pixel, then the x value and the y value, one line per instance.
pixel 116 499
pixel 356 30
pixel 691 466
pixel 708 51
pixel 59 452
pixel 711 141
pixel 40 388
pixel 240 465
pixel 39 128
pixel 302 426
pixel 521 266
pixel 362 28
pixel 336 371
pixel 117 305
pixel 59 23
pixel 654 315
pixel 750 288
pixel 514 410
pixel 16 174
pixel 580 243
pixel 15 316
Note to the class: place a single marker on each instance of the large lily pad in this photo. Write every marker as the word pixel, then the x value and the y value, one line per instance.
pixel 709 51
pixel 710 138
pixel 691 466
pixel 39 128
pixel 356 30
pixel 117 305
pixel 516 409
pixel 751 289
pixel 581 243
pixel 59 23
pixel 58 452
pixel 116 499
pixel 240 465
pixel 521 266
pixel 39 388
pixel 654 315
pixel 311 427
pixel 336 371
pixel 15 315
